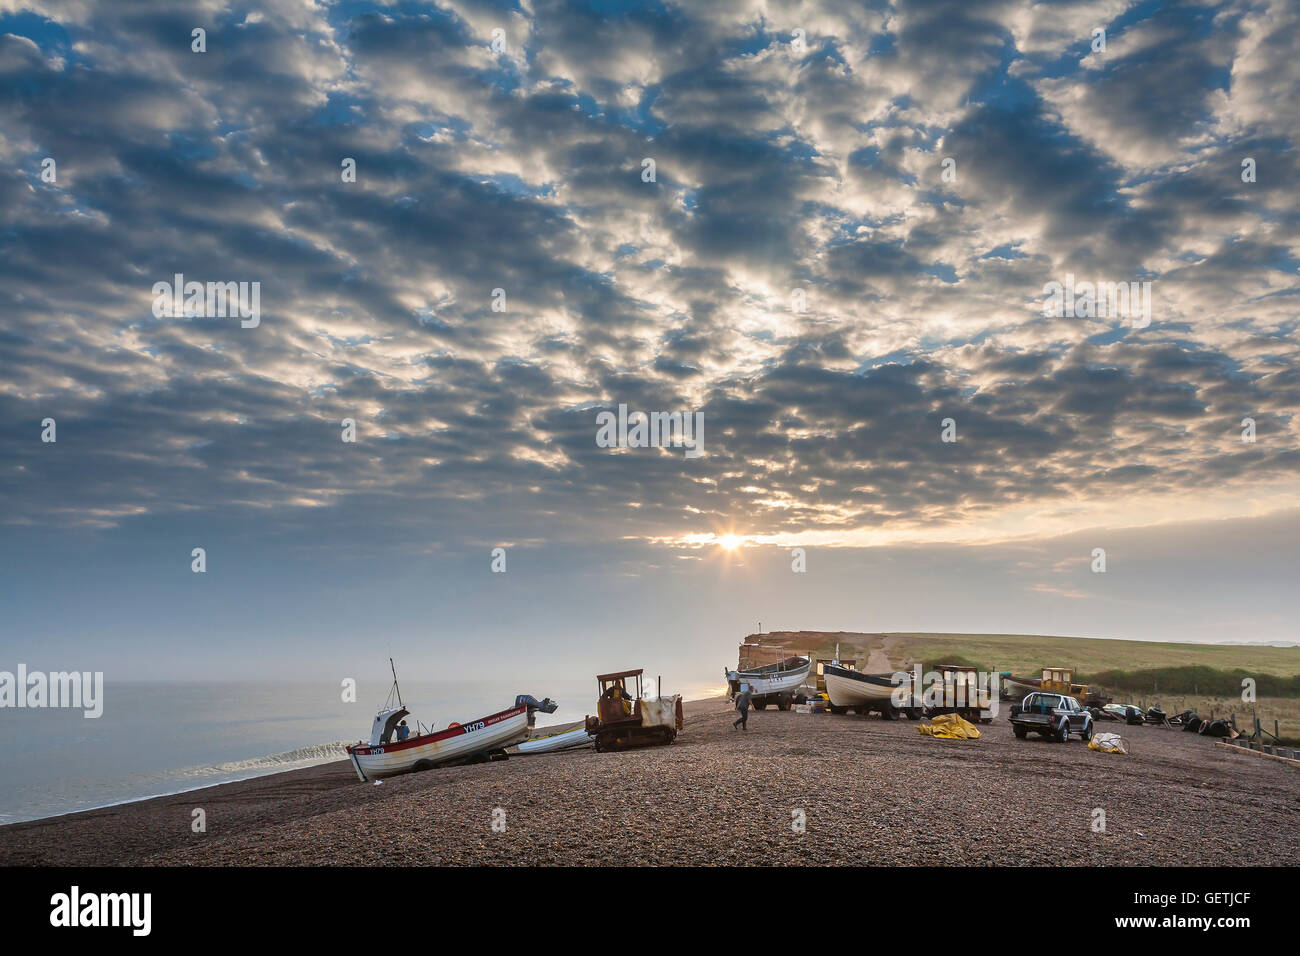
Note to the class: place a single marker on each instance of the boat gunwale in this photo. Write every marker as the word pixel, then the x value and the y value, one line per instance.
pixel 880 680
pixel 777 669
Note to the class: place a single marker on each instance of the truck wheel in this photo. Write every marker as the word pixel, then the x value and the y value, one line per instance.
pixel 1063 735
pixel 1086 736
pixel 1020 732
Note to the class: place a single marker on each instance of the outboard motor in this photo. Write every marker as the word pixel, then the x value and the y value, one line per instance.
pixel 545 705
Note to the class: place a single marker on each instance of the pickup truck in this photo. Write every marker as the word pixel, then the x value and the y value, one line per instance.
pixel 1052 715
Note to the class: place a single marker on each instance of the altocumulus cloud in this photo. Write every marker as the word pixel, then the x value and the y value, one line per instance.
pixel 779 166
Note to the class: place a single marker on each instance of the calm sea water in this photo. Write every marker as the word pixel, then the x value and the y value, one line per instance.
pixel 161 738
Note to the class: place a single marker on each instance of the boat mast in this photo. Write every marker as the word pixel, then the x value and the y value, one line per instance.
pixel 395 687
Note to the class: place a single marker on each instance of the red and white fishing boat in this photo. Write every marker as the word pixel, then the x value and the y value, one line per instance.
pixel 386 757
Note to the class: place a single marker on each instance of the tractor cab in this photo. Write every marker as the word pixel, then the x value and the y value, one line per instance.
pixel 620 696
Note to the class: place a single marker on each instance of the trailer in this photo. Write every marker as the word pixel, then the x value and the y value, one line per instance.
pixel 963 695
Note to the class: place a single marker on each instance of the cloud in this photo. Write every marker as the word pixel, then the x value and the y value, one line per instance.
pixel 777 168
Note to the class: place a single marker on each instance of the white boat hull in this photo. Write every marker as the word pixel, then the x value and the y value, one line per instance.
pixel 849 692
pixel 490 733
pixel 783 683
pixel 1016 688
pixel 569 740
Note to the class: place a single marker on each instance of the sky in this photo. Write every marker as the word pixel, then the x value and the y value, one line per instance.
pixel 826 231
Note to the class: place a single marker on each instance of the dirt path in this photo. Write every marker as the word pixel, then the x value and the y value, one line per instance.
pixel 878 657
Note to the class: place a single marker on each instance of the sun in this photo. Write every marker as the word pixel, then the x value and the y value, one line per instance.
pixel 729 542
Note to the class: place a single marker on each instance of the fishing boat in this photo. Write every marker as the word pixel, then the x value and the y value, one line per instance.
pixel 1020 686
pixel 490 735
pixel 1055 680
pixel 552 743
pixel 849 688
pixel 783 677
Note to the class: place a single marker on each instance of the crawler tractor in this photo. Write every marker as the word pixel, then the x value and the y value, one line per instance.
pixel 624 719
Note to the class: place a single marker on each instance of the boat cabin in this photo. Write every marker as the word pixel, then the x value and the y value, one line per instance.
pixel 385 725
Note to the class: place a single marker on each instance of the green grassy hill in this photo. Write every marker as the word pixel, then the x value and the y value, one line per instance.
pixel 1028 653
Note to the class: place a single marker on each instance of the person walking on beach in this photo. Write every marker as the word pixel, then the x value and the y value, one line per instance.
pixel 742 705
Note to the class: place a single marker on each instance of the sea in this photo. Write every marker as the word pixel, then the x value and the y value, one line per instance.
pixel 156 739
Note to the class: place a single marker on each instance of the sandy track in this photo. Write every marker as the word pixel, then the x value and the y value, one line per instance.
pixel 871 791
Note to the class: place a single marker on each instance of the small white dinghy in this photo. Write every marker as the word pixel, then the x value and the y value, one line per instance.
pixel 551 743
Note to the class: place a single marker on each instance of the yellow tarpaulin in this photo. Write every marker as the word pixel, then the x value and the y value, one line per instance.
pixel 1108 744
pixel 952 726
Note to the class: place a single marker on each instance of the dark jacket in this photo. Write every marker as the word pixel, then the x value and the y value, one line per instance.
pixel 742 701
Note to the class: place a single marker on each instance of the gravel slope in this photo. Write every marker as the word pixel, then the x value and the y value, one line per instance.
pixel 871 792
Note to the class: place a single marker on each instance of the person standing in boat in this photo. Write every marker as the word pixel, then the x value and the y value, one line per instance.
pixel 742 705
pixel 403 731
